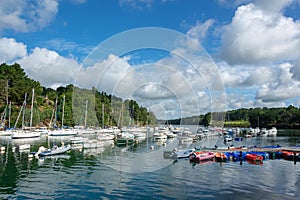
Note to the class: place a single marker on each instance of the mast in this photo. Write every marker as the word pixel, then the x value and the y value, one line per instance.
pixel 103 115
pixel 85 117
pixel 9 114
pixel 7 92
pixel 31 110
pixel 63 113
pixel 54 114
pixel 24 108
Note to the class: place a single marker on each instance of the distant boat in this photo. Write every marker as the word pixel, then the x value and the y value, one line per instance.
pixel 227 138
pixel 125 138
pixel 55 150
pixel 62 131
pixel 25 133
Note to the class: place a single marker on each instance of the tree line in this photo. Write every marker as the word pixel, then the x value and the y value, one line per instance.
pixel 283 117
pixel 88 107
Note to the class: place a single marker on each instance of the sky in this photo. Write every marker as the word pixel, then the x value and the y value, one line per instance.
pixel 178 58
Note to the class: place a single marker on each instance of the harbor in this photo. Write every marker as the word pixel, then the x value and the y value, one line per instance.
pixel 120 171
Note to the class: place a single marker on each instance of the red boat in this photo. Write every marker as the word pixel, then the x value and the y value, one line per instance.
pixel 254 157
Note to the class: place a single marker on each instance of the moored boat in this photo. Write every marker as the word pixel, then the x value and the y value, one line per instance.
pixel 220 157
pixel 55 150
pixel 254 157
pixel 198 156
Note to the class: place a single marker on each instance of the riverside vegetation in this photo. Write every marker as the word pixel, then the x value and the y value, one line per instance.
pixel 113 111
pixel 108 109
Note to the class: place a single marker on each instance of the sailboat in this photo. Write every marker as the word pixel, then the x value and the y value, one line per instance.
pixel 84 129
pixel 62 131
pixel 25 133
pixel 3 129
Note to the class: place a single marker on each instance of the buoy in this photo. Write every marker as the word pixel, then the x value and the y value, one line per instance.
pixel 152 147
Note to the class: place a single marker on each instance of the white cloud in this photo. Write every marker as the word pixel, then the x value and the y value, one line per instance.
pixel 275 6
pixel 199 31
pixel 78 1
pixel 137 4
pixel 295 70
pixel 261 75
pixel 283 88
pixel 49 68
pixel 10 50
pixel 259 36
pixel 24 16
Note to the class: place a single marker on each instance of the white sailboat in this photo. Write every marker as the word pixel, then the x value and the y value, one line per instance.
pixel 25 133
pixel 5 131
pixel 62 131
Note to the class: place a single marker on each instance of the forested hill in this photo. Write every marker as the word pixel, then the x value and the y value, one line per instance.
pixel 288 117
pixel 102 109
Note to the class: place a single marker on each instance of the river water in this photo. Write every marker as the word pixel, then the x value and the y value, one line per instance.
pixel 141 172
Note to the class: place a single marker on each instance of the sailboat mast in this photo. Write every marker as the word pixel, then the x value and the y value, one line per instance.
pixel 9 114
pixel 24 108
pixel 31 110
pixel 54 115
pixel 63 113
pixel 103 115
pixel 7 92
pixel 85 117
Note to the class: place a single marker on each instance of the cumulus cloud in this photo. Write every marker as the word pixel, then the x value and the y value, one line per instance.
pixel 284 87
pixel 24 16
pixel 49 68
pixel 275 6
pixel 261 75
pixel 259 36
pixel 10 50
pixel 295 70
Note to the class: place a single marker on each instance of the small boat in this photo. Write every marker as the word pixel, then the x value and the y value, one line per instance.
pixel 198 156
pixel 55 150
pixel 76 140
pixel 62 132
pixel 184 153
pixel 238 139
pixel 227 138
pixel 125 138
pixel 160 136
pixel 254 157
pixel 265 155
pixel 290 155
pixel 220 157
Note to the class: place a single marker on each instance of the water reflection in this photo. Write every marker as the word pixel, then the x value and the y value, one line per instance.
pixel 103 172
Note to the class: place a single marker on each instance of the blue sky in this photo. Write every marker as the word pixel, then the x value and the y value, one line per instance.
pixel 254 46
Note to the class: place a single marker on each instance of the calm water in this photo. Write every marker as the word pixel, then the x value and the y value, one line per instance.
pixel 137 172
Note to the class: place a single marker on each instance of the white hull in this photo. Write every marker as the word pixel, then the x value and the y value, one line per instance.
pixel 5 133
pixel 25 134
pixel 62 132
